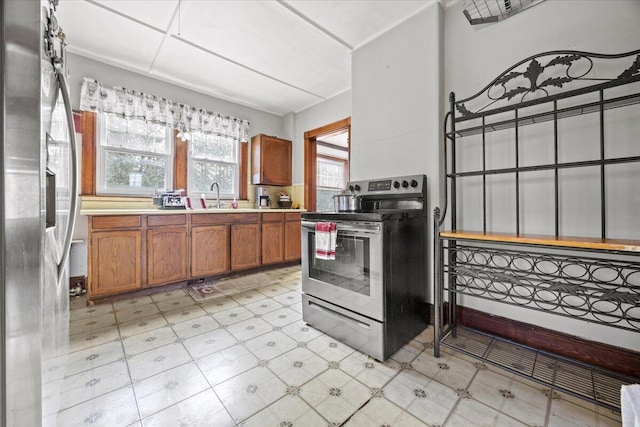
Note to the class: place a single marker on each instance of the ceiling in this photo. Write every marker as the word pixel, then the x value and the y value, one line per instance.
pixel 278 56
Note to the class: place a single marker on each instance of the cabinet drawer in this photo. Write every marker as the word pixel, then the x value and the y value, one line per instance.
pixel 246 218
pixel 212 219
pixel 115 221
pixel 156 220
pixel 272 217
pixel 292 216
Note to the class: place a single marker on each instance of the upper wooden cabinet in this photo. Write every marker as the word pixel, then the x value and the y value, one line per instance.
pixel 270 160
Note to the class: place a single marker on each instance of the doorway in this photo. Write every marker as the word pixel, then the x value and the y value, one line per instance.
pixel 326 164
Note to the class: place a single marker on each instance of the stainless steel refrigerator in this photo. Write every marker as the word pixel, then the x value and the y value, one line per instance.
pixel 38 203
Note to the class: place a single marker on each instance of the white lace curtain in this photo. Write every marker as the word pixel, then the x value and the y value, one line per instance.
pixel 94 96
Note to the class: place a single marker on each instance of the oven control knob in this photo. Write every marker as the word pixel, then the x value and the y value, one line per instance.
pixel 351 188
pixel 396 184
pixel 357 187
pixel 414 183
pixel 405 184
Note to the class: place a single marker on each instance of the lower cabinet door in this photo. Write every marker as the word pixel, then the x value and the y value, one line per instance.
pixel 245 246
pixel 166 255
pixel 116 262
pixel 209 250
pixel 272 242
pixel 292 240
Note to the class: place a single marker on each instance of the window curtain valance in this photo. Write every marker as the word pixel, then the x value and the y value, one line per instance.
pixel 96 97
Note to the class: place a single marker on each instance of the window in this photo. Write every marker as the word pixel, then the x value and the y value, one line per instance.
pixel 213 158
pixel 133 157
pixel 331 180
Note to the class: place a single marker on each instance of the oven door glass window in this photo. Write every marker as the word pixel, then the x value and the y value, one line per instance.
pixel 351 268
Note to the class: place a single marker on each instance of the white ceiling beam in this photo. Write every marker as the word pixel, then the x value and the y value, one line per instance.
pixel 314 24
pixel 167 33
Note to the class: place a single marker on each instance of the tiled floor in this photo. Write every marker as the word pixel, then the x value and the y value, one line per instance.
pixel 250 360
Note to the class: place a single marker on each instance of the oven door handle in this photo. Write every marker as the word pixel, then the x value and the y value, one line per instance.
pixel 340 226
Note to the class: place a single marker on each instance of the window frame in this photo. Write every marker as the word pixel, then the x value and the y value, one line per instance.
pixel 237 165
pixel 101 155
pixel 335 160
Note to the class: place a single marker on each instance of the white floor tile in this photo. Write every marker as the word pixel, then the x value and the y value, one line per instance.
pixel 226 364
pixel 250 360
pixel 270 345
pixel 93 357
pixel 181 302
pixel 91 384
pixel 250 392
pixel 209 342
pixel 92 323
pixel 369 371
pixel 148 340
pixel 329 348
pixel 298 366
pixel 88 339
pixel 157 360
pixel 423 397
pixel 288 411
pixel 380 412
pixel 184 314
pixel 335 395
pixel 249 328
pixel 218 305
pixel 282 317
pixel 233 315
pixel 144 324
pixel 168 388
pixel 202 410
pixel 193 327
pixel 136 312
pixel 263 306
pixel 471 412
pixel 174 293
pixel 100 412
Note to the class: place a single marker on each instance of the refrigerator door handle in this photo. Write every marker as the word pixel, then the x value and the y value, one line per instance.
pixel 66 247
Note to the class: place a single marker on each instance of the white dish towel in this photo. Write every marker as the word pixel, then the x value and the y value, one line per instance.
pixel 326 233
pixel 630 405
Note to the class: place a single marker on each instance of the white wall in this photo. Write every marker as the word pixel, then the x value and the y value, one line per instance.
pixel 324 113
pixel 475 55
pixel 396 86
pixel 397 106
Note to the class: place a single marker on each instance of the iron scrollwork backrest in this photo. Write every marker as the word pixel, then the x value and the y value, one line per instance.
pixel 542 77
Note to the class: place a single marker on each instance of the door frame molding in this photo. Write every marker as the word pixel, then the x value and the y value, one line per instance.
pixel 310 154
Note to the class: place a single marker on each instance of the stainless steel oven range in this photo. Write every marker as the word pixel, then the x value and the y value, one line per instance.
pixel 372 295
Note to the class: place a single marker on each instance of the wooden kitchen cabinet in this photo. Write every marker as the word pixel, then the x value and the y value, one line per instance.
pixel 270 160
pixel 166 249
pixel 292 237
pixel 245 241
pixel 245 246
pixel 272 237
pixel 115 254
pixel 132 252
pixel 209 250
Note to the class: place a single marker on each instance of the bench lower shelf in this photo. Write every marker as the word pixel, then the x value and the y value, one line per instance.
pixel 578 379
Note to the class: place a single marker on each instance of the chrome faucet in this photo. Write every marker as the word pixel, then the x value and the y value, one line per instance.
pixel 219 204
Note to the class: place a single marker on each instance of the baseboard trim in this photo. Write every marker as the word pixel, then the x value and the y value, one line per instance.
pixel 617 359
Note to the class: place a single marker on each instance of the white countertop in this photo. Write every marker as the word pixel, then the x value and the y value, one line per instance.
pixel 152 211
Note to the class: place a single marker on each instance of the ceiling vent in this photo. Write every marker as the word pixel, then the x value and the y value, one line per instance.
pixel 487 11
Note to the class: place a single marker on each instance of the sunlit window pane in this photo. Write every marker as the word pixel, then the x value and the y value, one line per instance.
pixel 205 173
pixel 135 157
pixel 134 172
